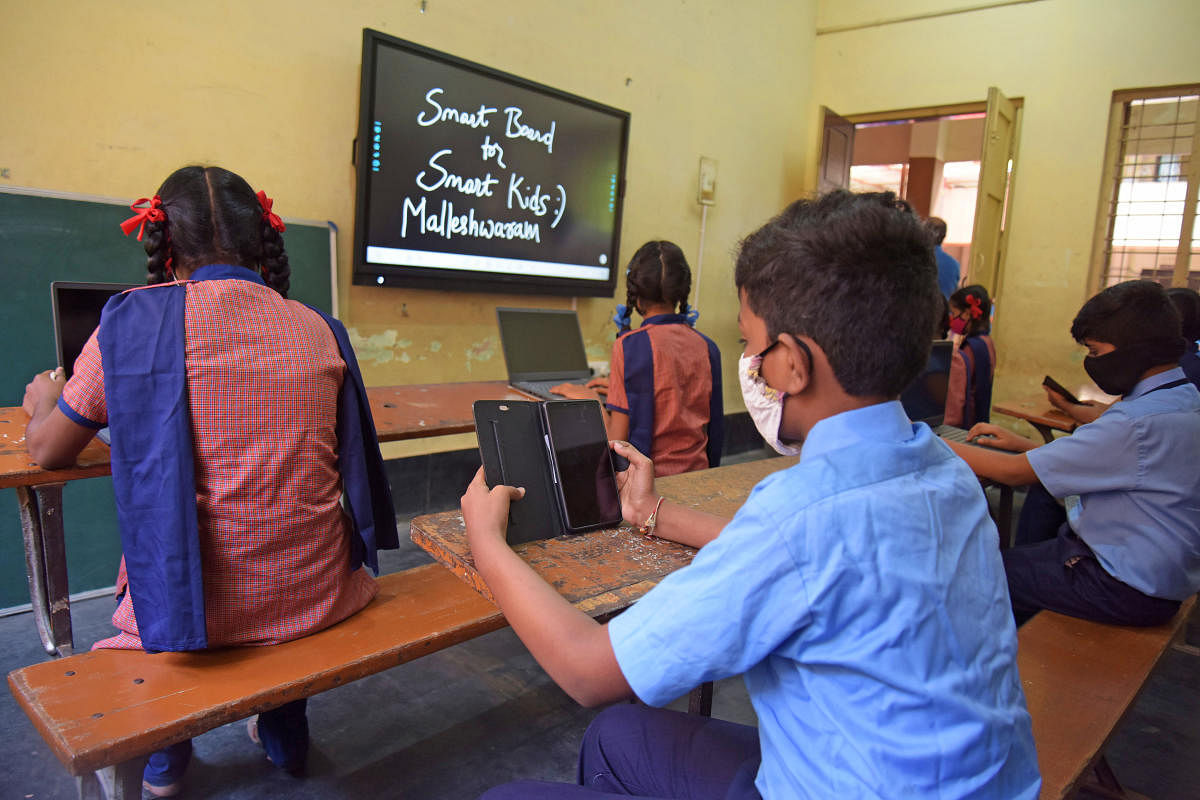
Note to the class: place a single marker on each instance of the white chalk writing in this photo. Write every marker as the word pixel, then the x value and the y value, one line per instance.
pixel 472 119
pixel 448 224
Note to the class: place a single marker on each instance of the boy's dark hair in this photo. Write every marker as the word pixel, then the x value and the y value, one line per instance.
pixel 1132 313
pixel 975 324
pixel 658 273
pixel 1187 303
pixel 855 272
pixel 937 227
pixel 214 217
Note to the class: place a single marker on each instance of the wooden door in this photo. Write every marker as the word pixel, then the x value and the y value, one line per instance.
pixel 837 151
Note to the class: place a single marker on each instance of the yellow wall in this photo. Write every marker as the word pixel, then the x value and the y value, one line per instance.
pixel 105 98
pixel 1065 58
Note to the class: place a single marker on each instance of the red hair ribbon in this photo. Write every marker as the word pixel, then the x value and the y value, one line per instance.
pixel 153 213
pixel 269 215
pixel 973 302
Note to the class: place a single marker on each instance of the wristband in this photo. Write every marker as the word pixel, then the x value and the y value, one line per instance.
pixel 647 527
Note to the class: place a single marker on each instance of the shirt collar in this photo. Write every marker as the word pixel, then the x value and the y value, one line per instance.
pixel 665 319
pixel 1154 381
pixel 880 422
pixel 216 272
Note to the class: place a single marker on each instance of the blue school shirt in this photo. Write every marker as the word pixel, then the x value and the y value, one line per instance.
pixel 862 595
pixel 1132 488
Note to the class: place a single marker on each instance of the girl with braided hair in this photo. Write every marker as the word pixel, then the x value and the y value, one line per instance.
pixel 664 386
pixel 969 395
pixel 239 426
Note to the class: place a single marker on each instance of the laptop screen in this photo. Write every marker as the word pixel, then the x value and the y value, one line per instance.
pixel 76 308
pixel 925 398
pixel 542 344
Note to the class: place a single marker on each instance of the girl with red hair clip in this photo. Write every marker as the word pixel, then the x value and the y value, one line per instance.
pixel 239 425
pixel 969 396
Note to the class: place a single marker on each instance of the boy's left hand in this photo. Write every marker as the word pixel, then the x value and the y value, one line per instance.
pixel 485 511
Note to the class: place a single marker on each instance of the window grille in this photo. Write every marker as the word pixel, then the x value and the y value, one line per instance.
pixel 1151 176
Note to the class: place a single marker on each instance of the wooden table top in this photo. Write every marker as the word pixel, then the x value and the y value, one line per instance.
pixel 604 571
pixel 1036 409
pixel 400 412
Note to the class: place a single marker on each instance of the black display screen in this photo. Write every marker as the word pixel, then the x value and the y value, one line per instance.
pixel 585 474
pixel 470 178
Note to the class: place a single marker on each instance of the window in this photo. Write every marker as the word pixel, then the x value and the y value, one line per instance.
pixel 1147 219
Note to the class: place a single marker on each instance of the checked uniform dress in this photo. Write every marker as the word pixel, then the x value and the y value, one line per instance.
pixel 263 380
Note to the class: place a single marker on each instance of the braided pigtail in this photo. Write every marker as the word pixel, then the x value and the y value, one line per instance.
pixel 276 269
pixel 158 253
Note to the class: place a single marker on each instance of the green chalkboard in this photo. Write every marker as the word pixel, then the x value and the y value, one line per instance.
pixel 48 237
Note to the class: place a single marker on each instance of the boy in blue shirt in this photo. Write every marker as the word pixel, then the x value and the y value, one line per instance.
pixel 859 592
pixel 1124 545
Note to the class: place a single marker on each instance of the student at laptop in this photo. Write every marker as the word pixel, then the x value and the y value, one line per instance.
pixel 238 418
pixel 1122 545
pixel 969 397
pixel 664 386
pixel 859 591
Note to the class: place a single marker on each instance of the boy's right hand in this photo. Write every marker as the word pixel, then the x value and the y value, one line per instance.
pixel 999 438
pixel 599 384
pixel 635 485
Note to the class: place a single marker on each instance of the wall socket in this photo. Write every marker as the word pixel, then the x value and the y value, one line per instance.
pixel 707 193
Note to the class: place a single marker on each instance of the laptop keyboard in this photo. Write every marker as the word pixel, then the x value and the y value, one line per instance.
pixel 542 388
pixel 952 434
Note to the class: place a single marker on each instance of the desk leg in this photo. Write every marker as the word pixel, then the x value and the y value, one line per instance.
pixel 1004 516
pixel 700 700
pixel 46 565
pixel 1046 431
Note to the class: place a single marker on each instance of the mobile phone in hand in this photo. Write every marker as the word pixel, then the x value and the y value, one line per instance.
pixel 1050 383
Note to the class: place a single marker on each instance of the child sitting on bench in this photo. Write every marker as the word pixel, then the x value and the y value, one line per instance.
pixel 238 419
pixel 859 591
pixel 1123 545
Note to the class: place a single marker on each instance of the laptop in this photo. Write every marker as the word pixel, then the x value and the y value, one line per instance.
pixel 543 347
pixel 76 311
pixel 924 399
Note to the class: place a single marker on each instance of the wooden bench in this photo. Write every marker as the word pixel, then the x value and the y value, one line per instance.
pixel 104 712
pixel 1080 679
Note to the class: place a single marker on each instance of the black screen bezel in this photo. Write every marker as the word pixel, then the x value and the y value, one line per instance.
pixel 550 408
pixel 365 274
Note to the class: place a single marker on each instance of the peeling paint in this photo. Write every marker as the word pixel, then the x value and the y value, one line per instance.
pixel 378 348
pixel 482 350
pixel 435 347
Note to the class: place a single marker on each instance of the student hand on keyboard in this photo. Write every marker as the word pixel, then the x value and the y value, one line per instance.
pixel 1000 438
pixel 600 385
pixel 573 391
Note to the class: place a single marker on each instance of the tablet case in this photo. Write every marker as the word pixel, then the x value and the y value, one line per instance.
pixel 514 451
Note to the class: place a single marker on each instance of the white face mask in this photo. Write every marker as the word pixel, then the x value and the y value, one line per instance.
pixel 764 403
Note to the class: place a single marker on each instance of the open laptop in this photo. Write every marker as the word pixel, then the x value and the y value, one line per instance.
pixel 76 311
pixel 542 348
pixel 924 399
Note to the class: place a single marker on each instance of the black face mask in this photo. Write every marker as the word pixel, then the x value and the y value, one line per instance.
pixel 1119 371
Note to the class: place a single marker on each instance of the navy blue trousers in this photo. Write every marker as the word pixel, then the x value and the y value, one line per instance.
pixel 283 732
pixel 1052 568
pixel 631 750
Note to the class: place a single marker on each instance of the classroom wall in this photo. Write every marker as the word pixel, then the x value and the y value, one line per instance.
pixel 1064 58
pixel 103 99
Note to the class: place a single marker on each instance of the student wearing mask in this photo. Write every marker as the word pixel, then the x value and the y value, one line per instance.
pixel 859 591
pixel 1122 543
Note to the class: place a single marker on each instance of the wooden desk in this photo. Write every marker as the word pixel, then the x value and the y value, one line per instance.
pixel 604 571
pixel 1037 411
pixel 400 412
